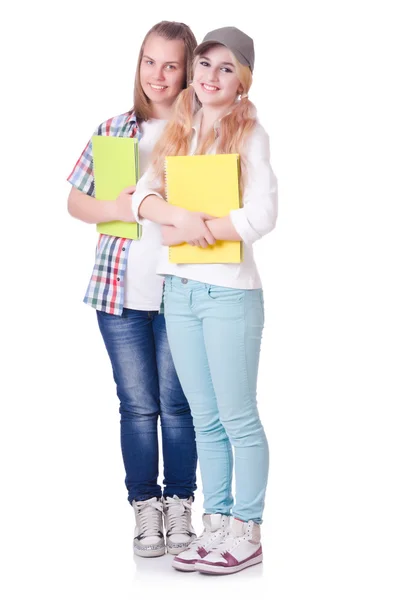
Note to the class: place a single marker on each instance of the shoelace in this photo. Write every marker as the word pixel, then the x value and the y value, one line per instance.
pixel 149 519
pixel 178 513
pixel 206 536
pixel 227 543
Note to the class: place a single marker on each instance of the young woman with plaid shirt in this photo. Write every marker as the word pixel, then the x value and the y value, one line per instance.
pixel 126 293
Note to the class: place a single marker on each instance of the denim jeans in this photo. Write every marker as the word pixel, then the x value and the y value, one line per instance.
pixel 148 388
pixel 215 335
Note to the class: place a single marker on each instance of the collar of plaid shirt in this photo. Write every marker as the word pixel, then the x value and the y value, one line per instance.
pixel 106 287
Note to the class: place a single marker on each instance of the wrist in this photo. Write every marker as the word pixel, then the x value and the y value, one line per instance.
pixel 178 215
pixel 110 211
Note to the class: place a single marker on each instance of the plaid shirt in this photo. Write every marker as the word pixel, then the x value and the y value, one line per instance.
pixel 106 287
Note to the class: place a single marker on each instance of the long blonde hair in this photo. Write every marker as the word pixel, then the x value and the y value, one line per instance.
pixel 234 128
pixel 169 30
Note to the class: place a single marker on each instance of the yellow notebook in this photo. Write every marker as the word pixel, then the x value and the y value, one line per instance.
pixel 116 166
pixel 206 183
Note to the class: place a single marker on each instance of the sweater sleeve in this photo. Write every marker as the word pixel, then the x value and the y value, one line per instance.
pixel 146 186
pixel 258 215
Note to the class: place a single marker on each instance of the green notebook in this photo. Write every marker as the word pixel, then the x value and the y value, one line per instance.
pixel 116 166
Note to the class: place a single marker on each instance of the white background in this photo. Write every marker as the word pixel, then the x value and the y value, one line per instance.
pixel 324 87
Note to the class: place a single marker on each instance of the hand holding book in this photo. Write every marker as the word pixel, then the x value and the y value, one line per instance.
pixel 123 206
pixel 194 229
pixel 191 228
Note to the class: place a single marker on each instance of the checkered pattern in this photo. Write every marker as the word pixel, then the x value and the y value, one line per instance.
pixel 106 288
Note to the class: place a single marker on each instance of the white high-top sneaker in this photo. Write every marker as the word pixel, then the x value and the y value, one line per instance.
pixel 215 531
pixel 179 532
pixel 242 548
pixel 148 534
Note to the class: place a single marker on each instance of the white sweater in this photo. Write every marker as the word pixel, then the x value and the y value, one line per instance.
pixel 256 218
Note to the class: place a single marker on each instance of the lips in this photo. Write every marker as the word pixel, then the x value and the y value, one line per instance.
pixel 158 88
pixel 209 88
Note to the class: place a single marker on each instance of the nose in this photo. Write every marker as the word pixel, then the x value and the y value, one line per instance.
pixel 213 74
pixel 158 74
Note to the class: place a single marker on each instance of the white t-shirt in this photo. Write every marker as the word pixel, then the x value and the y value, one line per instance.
pixel 143 288
pixel 257 217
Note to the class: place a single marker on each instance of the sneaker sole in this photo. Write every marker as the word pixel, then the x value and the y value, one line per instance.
pixel 176 551
pixel 186 567
pixel 149 553
pixel 216 570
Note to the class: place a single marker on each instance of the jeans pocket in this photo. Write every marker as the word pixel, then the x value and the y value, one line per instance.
pixel 225 295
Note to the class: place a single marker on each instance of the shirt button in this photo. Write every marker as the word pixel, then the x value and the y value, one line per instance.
pixel 118 278
pixel 123 249
pixel 184 280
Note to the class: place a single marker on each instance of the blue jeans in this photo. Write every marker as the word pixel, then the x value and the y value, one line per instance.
pixel 215 335
pixel 148 388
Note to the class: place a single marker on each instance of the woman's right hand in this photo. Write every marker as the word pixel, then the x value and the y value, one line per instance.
pixel 193 228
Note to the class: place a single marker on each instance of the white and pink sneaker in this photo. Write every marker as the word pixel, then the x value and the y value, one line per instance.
pixel 239 550
pixel 215 531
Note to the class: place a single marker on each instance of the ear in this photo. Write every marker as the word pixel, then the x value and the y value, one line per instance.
pixel 240 90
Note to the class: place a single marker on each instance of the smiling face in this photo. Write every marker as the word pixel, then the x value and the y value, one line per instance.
pixel 162 69
pixel 215 80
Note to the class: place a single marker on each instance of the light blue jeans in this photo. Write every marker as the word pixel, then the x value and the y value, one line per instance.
pixel 215 335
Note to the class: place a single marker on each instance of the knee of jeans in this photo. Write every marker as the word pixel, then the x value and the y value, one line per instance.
pixel 243 431
pixel 209 430
pixel 135 405
pixel 174 403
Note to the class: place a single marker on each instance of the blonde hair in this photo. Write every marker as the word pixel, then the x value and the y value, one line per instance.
pixel 234 128
pixel 169 30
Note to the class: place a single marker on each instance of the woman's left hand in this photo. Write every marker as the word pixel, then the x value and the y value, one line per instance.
pixel 171 236
pixel 123 206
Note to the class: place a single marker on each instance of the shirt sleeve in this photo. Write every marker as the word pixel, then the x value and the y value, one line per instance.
pixel 260 200
pixel 82 175
pixel 147 185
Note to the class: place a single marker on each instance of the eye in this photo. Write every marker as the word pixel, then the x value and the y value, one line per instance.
pixel 204 63
pixel 226 70
pixel 149 62
pixel 170 67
